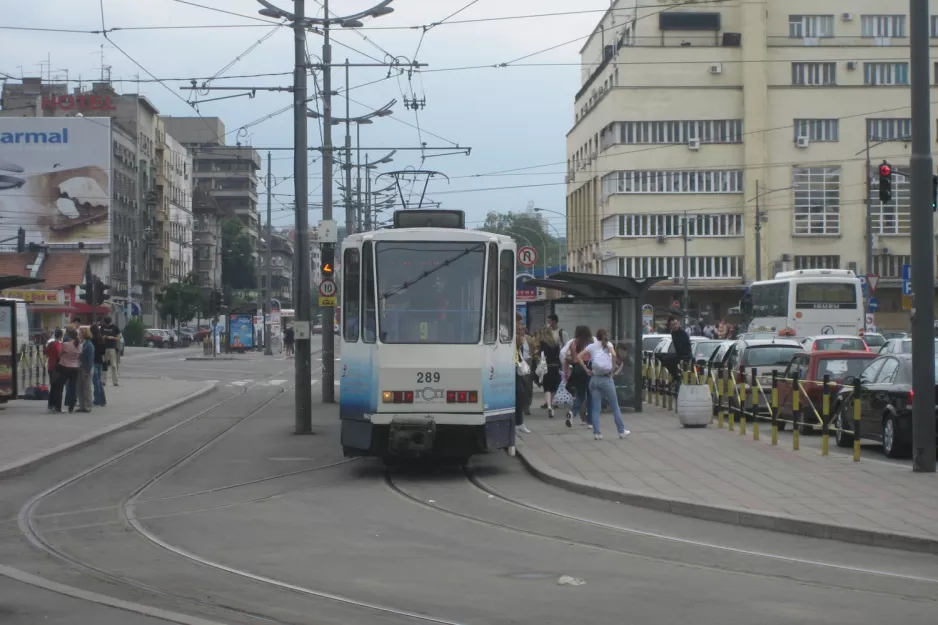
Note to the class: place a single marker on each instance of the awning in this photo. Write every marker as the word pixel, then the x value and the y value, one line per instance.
pixel 595 285
pixel 11 282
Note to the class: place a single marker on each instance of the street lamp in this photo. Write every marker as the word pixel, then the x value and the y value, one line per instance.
pixel 553 212
pixel 300 23
pixel 759 224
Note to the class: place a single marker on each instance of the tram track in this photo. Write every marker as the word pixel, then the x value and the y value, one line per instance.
pixel 27 519
pixel 473 482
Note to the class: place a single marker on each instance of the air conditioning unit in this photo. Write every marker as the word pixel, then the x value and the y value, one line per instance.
pixel 851 64
pixel 693 144
pixel 786 258
pixel 661 239
pixel 716 68
pixel 852 266
pixel 802 141
pixel 847 17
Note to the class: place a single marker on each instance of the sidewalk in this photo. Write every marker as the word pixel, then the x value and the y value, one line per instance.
pixel 30 434
pixel 721 476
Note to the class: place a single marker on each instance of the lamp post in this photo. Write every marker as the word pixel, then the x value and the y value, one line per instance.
pixel 759 225
pixel 300 23
pixel 558 213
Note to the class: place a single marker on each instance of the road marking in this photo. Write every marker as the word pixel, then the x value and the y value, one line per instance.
pixel 239 382
pixel 277 382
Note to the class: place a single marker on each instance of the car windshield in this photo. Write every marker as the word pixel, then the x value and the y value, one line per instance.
pixel 874 340
pixel 768 355
pixel 649 342
pixel 846 344
pixel 430 292
pixel 705 349
pixel 840 368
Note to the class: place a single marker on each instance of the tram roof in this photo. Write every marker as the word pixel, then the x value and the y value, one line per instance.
pixel 428 234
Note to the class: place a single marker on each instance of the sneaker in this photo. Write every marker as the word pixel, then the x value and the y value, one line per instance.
pixel 597 437
pixel 523 429
pixel 550 413
pixel 544 406
pixel 624 433
pixel 569 420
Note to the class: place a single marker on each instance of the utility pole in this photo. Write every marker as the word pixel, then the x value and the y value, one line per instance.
pixel 259 301
pixel 923 245
pixel 869 207
pixel 758 238
pixel 368 222
pixel 686 269
pixel 268 348
pixel 327 251
pixel 349 213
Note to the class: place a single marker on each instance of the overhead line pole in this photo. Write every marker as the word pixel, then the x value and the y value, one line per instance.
pixel 923 245
pixel 327 249
pixel 268 348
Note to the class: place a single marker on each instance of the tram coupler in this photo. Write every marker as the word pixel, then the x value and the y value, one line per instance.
pixel 411 436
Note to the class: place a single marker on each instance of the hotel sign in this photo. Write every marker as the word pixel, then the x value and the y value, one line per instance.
pixel 35 297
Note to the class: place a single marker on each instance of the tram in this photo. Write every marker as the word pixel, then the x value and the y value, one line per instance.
pixel 427 339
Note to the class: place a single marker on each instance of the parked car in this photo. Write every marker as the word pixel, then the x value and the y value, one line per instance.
pixel 893 334
pixel 650 341
pixel 156 338
pixel 885 405
pixel 874 340
pixel 666 346
pixel 896 346
pixel 837 342
pixel 811 368
pixel 762 355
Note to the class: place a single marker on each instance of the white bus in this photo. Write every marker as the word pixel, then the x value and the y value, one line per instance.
pixel 427 339
pixel 808 301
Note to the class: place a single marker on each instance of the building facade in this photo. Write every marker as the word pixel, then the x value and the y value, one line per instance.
pixel 174 216
pixel 691 120
pixel 281 270
pixel 206 247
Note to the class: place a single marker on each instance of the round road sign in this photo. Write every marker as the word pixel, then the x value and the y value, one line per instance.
pixel 527 256
pixel 327 288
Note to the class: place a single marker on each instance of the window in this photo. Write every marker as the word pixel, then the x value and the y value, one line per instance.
pixel 351 291
pixel 770 299
pixel 490 322
pixel 817 200
pixel 675 132
pixel 506 297
pixel 899 129
pixel 890 266
pixel 885 73
pixel 893 217
pixel 882 26
pixel 723 225
pixel 810 26
pixel 817 130
pixel 934 27
pixel 369 320
pixel 817 262
pixel 824 295
pixel 721 181
pixel 430 292
pixel 813 74
pixel 888 372
pixel 698 267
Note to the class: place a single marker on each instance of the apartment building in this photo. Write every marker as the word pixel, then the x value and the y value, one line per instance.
pixel 691 119
pixel 281 269
pixel 174 217
pixel 206 246
pixel 128 261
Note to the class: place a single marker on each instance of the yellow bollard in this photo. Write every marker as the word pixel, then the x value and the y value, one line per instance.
pixel 732 391
pixel 825 416
pixel 856 424
pixel 721 388
pixel 743 400
pixel 795 413
pixel 656 390
pixel 755 403
pixel 774 407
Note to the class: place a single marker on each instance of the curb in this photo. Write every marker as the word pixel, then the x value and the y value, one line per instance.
pixel 18 468
pixel 722 514
pixel 213 359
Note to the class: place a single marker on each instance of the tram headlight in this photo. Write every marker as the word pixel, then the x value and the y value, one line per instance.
pixel 388 397
pixel 397 397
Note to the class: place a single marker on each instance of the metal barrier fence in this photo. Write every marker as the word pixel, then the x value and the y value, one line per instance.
pixel 742 396
pixel 33 372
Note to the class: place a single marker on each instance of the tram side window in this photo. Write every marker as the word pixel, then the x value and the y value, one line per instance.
pixel 368 293
pixel 491 296
pixel 506 297
pixel 351 289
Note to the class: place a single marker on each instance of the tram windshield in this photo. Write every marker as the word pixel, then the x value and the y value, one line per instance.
pixel 430 292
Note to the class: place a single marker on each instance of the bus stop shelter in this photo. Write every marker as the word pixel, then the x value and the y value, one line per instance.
pixel 626 296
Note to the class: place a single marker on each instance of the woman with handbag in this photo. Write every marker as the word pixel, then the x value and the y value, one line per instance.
pixel 601 385
pixel 522 371
pixel 550 364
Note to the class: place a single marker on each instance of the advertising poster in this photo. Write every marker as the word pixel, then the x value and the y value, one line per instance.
pixel 7 387
pixel 55 177
pixel 241 331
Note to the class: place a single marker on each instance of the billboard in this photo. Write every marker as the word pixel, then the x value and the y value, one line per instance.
pixel 241 331
pixel 55 179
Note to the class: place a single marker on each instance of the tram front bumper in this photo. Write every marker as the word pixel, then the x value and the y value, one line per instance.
pixel 411 435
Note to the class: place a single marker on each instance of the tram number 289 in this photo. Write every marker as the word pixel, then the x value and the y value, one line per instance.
pixel 426 377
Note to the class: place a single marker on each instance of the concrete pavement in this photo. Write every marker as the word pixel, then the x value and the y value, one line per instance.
pixel 29 434
pixel 723 476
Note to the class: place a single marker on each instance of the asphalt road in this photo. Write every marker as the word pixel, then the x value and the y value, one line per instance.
pixel 217 511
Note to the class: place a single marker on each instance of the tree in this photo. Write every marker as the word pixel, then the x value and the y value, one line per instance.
pixel 526 230
pixel 181 301
pixel 238 269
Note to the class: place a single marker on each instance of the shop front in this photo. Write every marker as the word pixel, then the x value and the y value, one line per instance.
pixel 45 307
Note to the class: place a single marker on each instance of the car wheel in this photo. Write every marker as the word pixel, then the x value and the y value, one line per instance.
pixel 892 439
pixel 844 439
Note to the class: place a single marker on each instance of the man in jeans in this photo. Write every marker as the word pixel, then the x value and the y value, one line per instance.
pixel 112 337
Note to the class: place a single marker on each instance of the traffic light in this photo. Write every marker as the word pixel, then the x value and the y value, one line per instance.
pixel 327 265
pixel 885 182
pixel 101 292
pixel 21 240
pixel 216 300
pixel 934 193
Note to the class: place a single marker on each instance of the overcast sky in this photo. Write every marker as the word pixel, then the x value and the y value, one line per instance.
pixel 514 117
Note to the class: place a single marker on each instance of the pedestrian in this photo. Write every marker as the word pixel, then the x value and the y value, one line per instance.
pixel 53 350
pixel 529 354
pixel 86 371
pixel 601 386
pixel 288 339
pixel 521 372
pixel 112 336
pixel 67 370
pixel 578 376
pixel 100 365
pixel 550 356
pixel 682 352
pixel 559 334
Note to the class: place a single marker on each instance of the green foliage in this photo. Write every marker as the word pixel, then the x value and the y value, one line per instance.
pixel 133 332
pixel 527 230
pixel 238 268
pixel 181 301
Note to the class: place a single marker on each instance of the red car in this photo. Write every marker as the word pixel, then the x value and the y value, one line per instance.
pixel 811 368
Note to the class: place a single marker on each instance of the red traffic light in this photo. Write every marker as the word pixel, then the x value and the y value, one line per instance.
pixel 885 170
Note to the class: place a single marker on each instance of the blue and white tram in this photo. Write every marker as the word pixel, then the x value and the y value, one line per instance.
pixel 428 331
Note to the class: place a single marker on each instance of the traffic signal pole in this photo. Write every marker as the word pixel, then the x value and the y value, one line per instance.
pixel 923 245
pixel 328 249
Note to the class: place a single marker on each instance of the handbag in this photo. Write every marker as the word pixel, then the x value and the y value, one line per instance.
pixel 523 368
pixel 563 397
